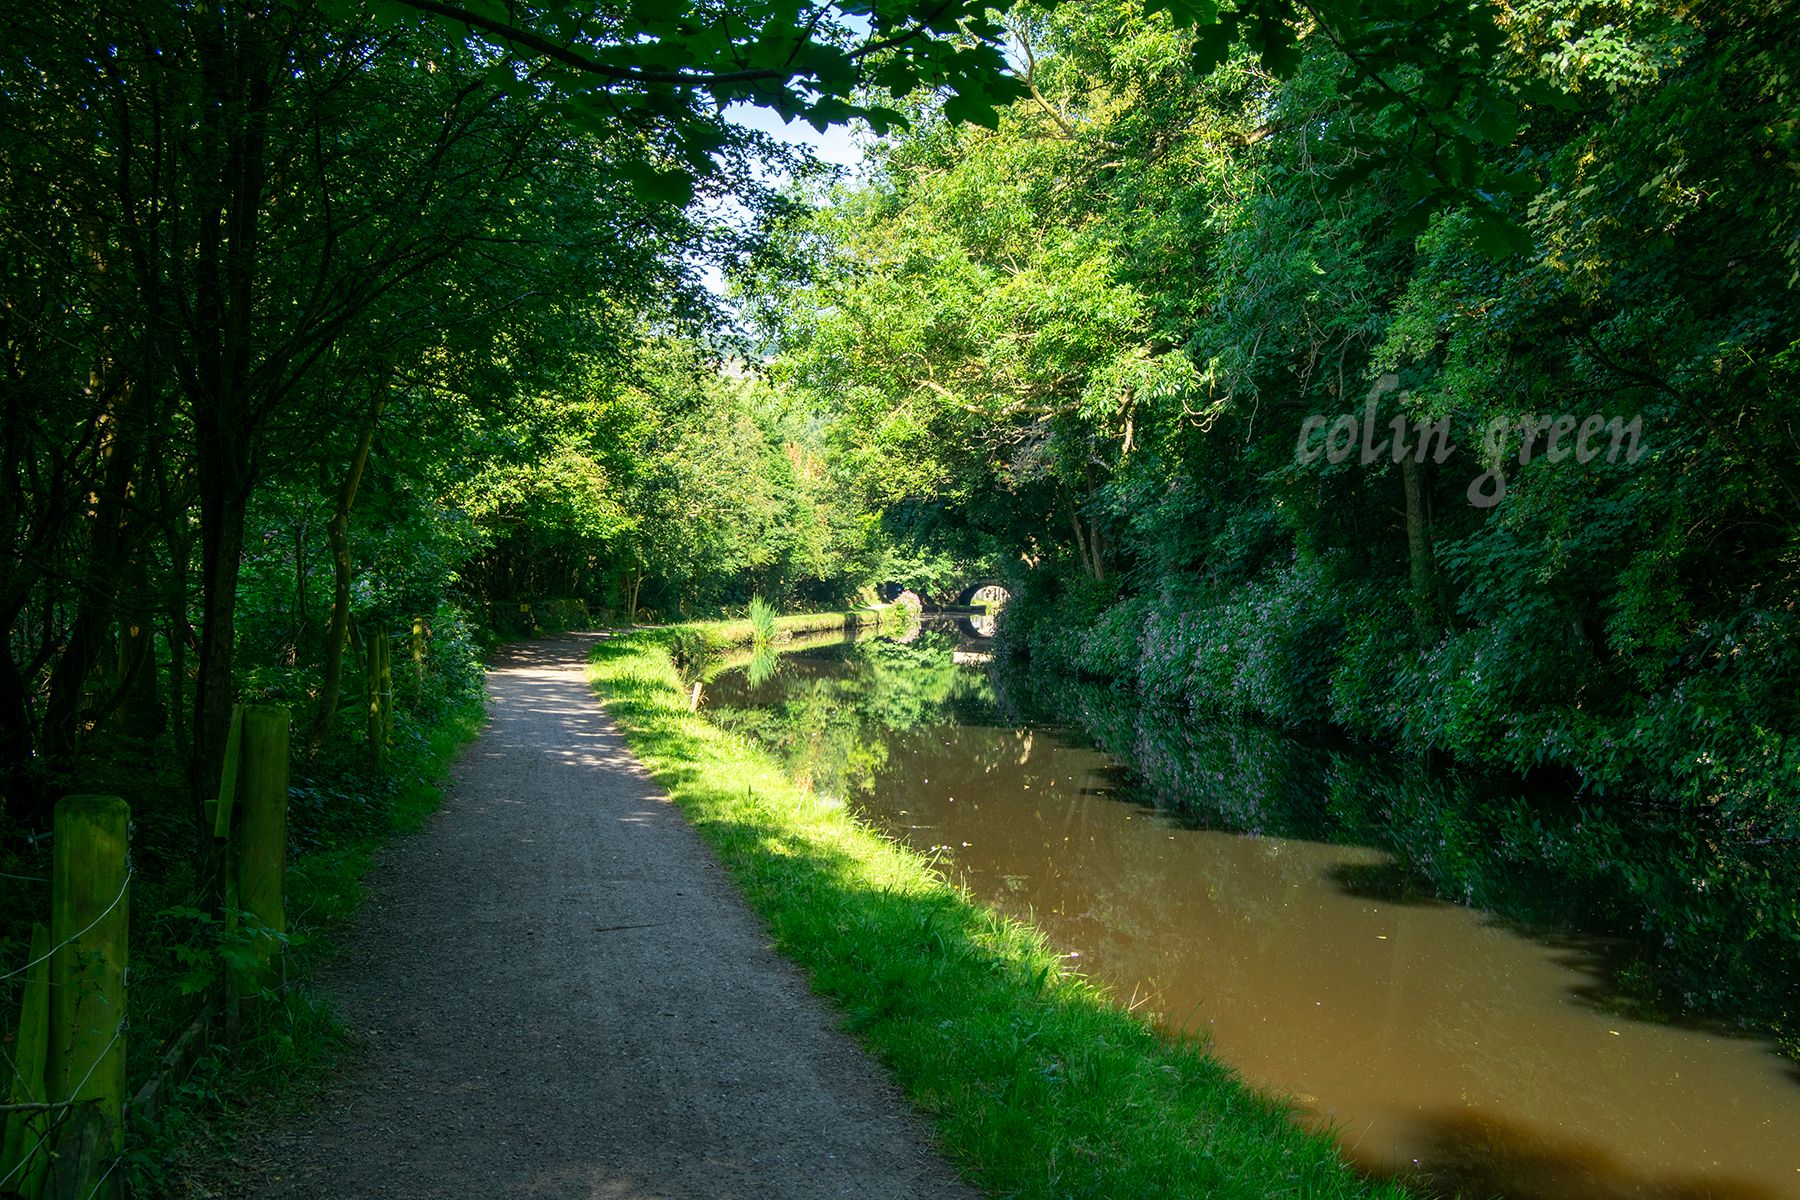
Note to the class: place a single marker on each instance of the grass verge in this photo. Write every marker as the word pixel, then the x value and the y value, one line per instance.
pixel 719 635
pixel 1039 1085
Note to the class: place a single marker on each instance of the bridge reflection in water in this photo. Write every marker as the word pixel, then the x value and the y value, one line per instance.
pixel 975 609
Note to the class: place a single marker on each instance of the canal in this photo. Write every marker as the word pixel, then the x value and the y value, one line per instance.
pixel 1230 883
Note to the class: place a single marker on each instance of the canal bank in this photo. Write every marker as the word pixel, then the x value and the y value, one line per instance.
pixel 1257 889
pixel 1039 1084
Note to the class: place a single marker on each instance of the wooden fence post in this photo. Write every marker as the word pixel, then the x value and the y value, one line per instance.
pixel 378 722
pixel 89 918
pixel 24 1159
pixel 224 808
pixel 387 690
pixel 262 828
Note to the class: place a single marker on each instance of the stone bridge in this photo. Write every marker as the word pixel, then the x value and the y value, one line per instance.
pixel 974 603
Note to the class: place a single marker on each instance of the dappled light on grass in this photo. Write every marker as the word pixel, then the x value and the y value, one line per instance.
pixel 1039 1086
pixel 1311 962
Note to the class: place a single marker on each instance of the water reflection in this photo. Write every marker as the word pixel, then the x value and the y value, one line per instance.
pixel 1700 916
pixel 1209 881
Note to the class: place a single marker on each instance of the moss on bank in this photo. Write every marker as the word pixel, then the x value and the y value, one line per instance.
pixel 1039 1085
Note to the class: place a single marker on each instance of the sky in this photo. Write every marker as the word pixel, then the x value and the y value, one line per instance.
pixel 838 144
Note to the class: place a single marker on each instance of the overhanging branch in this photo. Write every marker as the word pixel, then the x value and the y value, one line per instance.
pixel 536 43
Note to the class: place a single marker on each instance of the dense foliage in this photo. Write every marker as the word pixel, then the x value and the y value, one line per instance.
pixel 319 316
pixel 1154 333
pixel 340 332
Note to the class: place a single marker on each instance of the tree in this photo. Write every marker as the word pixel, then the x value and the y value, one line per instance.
pixel 254 217
pixel 1128 298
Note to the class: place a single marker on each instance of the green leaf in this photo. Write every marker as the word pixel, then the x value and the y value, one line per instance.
pixel 828 112
pixel 1186 12
pixel 1274 40
pixel 1495 236
pixel 972 110
pixel 658 186
pixel 1212 43
pixel 883 119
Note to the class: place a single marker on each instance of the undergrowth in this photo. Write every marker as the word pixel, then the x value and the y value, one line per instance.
pixel 339 819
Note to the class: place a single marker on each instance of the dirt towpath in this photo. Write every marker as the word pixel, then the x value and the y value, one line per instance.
pixel 563 996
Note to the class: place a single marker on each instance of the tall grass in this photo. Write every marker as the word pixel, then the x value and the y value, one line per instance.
pixel 763 628
pixel 1039 1085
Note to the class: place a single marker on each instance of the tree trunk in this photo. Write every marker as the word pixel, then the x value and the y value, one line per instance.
pixel 235 59
pixel 26 798
pixel 1081 553
pixel 140 704
pixel 224 504
pixel 338 631
pixel 103 565
pixel 180 547
pixel 634 586
pixel 1087 546
pixel 302 635
pixel 1424 590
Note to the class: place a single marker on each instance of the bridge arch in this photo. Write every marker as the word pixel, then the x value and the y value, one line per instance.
pixel 986 597
pixel 973 607
pixel 972 593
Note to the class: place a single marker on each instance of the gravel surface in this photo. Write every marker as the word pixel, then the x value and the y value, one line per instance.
pixel 562 995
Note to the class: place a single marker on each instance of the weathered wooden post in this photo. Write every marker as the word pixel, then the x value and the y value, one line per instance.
pixel 377 641
pixel 89 918
pixel 24 1159
pixel 418 655
pixel 262 823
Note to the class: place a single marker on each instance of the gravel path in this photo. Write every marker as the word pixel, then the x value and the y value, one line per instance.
pixel 563 996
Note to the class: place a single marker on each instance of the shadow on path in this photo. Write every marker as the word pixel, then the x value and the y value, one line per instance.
pixel 561 995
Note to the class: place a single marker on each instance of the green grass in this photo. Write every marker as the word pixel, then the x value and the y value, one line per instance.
pixel 763 621
pixel 720 635
pixel 1040 1086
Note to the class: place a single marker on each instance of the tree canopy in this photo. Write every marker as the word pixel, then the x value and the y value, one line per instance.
pixel 1104 330
pixel 1422 370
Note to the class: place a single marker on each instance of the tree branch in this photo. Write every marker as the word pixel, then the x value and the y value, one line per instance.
pixel 538 44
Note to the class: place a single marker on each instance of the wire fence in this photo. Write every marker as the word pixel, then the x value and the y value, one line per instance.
pixel 37 1110
pixel 64 1132
pixel 61 1110
pixel 47 955
pixel 42 1138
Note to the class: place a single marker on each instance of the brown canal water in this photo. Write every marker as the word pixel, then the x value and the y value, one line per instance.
pixel 1432 1038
